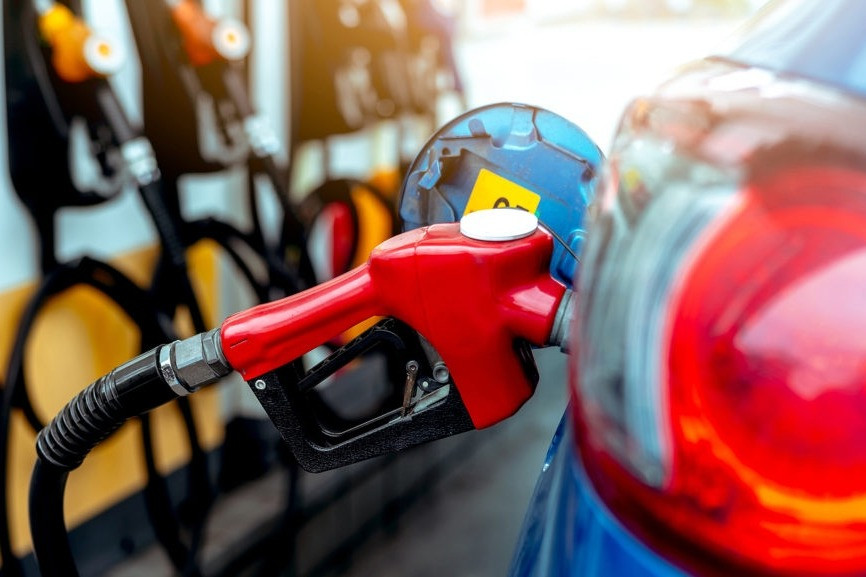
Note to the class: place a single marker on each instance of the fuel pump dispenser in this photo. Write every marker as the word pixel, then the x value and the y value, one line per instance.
pixel 60 109
pixel 200 118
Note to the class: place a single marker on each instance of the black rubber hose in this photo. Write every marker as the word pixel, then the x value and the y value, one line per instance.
pixel 162 518
pixel 293 232
pixel 47 486
pixel 174 251
pixel 129 390
pixel 173 258
pixel 102 408
pixel 154 329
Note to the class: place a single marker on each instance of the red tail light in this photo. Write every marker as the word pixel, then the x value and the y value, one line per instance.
pixel 731 418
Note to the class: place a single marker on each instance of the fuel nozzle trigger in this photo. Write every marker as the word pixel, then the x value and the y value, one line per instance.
pixel 424 414
pixel 464 303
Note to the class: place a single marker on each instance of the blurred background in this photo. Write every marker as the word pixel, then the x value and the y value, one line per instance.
pixel 351 89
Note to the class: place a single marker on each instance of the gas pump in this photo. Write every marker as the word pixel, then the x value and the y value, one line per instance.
pixel 64 115
pixel 200 118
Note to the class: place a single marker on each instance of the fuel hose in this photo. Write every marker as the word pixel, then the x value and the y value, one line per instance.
pixel 146 382
pixel 154 328
pixel 45 104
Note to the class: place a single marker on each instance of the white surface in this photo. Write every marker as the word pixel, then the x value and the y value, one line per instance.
pixel 498 224
pixel 585 70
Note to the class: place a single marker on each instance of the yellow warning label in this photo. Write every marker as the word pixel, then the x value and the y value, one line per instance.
pixel 494 191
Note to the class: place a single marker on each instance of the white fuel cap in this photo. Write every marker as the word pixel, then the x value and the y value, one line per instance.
pixel 498 224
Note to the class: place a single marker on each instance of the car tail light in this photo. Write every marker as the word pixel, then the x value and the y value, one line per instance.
pixel 720 380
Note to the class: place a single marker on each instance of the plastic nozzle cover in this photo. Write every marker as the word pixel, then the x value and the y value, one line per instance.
pixel 77 53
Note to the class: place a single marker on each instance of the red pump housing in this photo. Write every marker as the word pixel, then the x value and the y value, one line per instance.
pixel 470 299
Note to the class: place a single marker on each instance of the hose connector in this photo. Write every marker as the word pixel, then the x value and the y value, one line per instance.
pixel 140 160
pixel 194 362
pixel 148 381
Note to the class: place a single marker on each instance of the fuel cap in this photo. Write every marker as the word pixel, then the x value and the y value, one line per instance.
pixel 507 155
pixel 498 224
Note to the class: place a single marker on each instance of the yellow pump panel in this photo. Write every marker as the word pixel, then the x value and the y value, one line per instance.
pixel 79 336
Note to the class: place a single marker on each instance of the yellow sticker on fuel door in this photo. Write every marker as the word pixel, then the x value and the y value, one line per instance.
pixel 494 191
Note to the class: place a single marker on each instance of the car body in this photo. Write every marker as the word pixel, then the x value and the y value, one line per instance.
pixel 717 386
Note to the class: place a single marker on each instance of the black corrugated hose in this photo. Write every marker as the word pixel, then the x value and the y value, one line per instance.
pixel 148 381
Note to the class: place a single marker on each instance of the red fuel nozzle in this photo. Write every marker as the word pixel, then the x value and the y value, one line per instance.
pixel 471 299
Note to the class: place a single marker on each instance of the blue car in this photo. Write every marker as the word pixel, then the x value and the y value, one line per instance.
pixel 717 423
